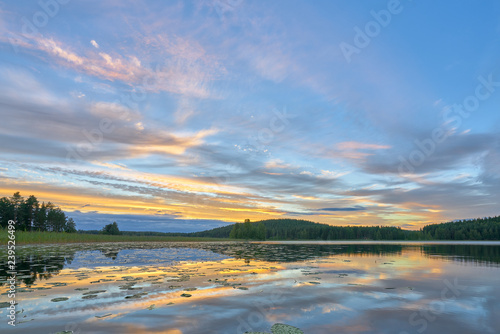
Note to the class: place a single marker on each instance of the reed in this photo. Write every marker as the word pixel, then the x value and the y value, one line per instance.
pixel 23 238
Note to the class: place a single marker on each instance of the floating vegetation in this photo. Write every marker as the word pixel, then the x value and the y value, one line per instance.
pixel 89 297
pixel 61 299
pixel 216 282
pixel 57 284
pixel 93 292
pixel 285 329
pixel 137 295
pixel 281 329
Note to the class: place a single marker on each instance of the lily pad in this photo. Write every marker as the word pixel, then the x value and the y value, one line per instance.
pixel 136 296
pixel 61 299
pixel 281 329
pixel 89 297
pixel 285 329
pixel 93 292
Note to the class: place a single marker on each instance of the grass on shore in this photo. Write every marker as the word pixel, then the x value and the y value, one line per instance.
pixel 23 238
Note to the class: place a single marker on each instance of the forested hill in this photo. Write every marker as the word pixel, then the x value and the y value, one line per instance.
pixel 272 227
pixel 472 229
pixel 294 229
pixel 219 232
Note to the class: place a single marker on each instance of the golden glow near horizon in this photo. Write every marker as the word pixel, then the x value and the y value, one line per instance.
pixel 200 198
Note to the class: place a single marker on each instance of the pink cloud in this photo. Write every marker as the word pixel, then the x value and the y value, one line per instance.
pixel 186 69
pixel 353 145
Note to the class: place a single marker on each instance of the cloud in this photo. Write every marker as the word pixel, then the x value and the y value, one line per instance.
pixel 185 68
pixel 94 43
pixel 57 127
pixel 352 145
pixel 356 208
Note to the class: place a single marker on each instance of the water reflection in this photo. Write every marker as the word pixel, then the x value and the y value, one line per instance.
pixel 468 254
pixel 237 287
pixel 42 262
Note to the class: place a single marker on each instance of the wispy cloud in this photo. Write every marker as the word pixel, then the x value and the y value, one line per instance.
pixel 185 69
pixel 356 208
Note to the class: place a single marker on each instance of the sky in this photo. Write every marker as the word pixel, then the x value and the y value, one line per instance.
pixel 181 116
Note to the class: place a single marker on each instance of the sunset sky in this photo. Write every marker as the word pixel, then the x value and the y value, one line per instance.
pixel 188 115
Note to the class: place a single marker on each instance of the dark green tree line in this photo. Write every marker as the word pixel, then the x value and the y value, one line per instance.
pixel 111 229
pixel 296 229
pixel 248 230
pixel 472 229
pixel 30 215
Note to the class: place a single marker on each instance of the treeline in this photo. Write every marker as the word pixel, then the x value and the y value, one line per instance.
pixel 474 229
pixel 30 215
pixel 295 229
pixel 292 229
pixel 248 230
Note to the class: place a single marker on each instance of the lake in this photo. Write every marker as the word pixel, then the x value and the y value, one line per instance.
pixel 234 287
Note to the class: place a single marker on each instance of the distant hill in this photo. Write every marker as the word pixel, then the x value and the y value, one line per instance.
pixel 471 229
pixel 274 228
pixel 296 229
pixel 218 232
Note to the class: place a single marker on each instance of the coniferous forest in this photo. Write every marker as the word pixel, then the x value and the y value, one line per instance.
pixel 30 215
pixel 294 229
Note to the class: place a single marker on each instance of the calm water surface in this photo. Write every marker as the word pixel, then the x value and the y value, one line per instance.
pixel 232 288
